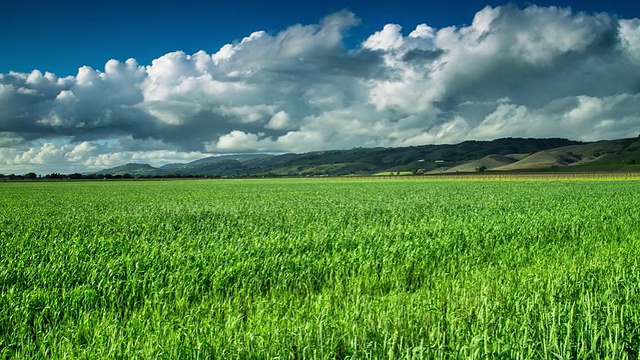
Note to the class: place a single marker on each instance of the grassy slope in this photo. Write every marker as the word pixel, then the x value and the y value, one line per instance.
pixel 489 162
pixel 598 156
pixel 542 159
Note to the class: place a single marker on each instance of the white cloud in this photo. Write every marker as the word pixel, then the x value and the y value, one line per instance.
pixel 444 133
pixel 423 31
pixel 47 153
pixel 239 141
pixel 389 38
pixel 279 121
pixel 80 152
pixel 630 35
pixel 535 72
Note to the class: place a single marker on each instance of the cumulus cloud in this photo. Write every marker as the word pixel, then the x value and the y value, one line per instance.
pixel 534 72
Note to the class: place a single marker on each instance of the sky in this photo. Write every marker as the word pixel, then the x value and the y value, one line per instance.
pixel 88 85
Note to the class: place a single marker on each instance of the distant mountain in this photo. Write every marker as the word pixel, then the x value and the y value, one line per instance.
pixel 131 168
pixel 171 166
pixel 508 154
pixel 221 158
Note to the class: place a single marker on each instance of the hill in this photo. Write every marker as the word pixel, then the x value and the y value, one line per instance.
pixel 132 169
pixel 487 163
pixel 508 154
pixel 613 155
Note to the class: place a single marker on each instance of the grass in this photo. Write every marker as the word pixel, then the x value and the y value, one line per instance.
pixel 320 268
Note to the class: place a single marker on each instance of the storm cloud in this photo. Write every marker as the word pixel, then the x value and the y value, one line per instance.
pixel 532 72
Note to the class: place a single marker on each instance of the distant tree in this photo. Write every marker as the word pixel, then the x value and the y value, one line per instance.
pixel 54 176
pixel 481 168
pixel 31 176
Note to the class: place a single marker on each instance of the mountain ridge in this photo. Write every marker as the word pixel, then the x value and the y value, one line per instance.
pixel 504 154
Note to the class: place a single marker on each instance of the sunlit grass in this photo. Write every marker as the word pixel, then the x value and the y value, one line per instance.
pixel 305 268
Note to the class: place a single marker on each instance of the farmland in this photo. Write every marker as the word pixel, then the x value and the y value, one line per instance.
pixel 320 268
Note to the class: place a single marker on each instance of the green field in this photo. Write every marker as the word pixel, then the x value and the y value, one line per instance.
pixel 320 268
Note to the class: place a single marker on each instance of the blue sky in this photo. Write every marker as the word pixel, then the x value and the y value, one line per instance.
pixel 61 36
pixel 87 85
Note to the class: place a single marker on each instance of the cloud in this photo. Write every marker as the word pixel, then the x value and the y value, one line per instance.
pixel 279 121
pixel 534 72
pixel 66 157
pixel 90 105
pixel 389 38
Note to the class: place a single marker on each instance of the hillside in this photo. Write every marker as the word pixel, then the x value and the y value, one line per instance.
pixel 488 162
pixel 132 169
pixel 614 155
pixel 509 154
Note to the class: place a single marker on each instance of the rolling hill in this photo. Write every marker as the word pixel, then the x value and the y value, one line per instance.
pixel 487 162
pixel 581 157
pixel 508 154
